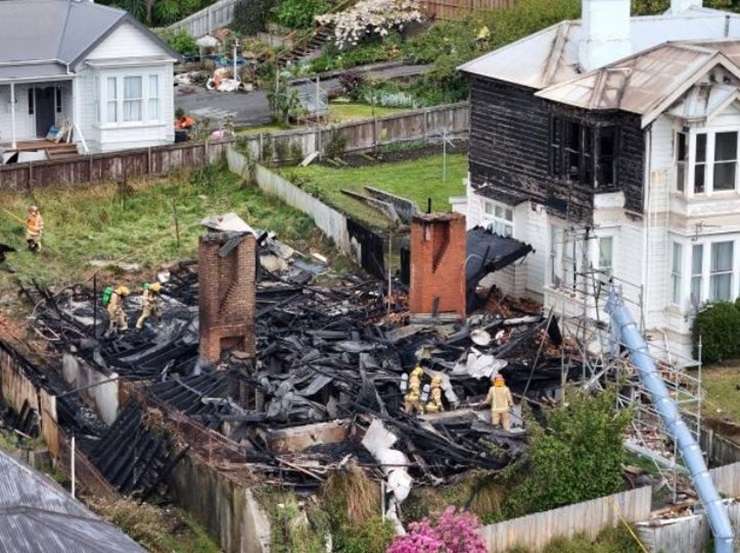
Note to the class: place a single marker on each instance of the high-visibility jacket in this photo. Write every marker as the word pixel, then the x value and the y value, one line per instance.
pixel 34 225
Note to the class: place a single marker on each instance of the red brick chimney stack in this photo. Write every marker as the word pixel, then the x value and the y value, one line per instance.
pixel 227 282
pixel 438 252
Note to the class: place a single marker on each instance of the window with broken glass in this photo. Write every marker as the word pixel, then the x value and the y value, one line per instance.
pixel 583 154
pixel 499 218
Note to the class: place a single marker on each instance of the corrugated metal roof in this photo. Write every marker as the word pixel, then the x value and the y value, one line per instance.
pixel 550 56
pixel 656 79
pixel 36 516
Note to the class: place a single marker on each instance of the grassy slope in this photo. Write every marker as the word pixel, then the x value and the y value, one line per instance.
pixel 416 180
pixel 722 394
pixel 94 223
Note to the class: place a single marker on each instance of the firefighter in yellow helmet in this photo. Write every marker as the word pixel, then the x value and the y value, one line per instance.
pixel 34 228
pixel 152 303
pixel 116 314
pixel 499 397
pixel 435 404
pixel 412 399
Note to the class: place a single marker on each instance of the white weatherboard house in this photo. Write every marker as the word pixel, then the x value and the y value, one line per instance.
pixel 612 143
pixel 92 68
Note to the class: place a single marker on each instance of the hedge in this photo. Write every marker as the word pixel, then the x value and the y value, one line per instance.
pixel 718 325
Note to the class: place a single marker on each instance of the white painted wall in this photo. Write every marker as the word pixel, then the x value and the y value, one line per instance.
pixel 25 122
pixel 125 42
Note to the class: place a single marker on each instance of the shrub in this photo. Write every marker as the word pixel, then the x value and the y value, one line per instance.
pixel 181 42
pixel 336 146
pixel 250 16
pixel 352 83
pixel 299 14
pixel 583 437
pixel 452 532
pixel 718 325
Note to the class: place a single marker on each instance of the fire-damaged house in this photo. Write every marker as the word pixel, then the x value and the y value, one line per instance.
pixel 610 145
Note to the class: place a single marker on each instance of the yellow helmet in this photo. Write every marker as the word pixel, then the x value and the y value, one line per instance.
pixel 123 291
pixel 155 287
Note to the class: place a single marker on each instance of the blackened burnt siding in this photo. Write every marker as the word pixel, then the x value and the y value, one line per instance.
pixel 510 149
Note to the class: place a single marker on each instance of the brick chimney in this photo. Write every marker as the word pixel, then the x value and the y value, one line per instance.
pixel 605 32
pixel 438 251
pixel 227 282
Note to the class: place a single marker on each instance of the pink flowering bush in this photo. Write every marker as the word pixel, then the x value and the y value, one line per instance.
pixel 454 532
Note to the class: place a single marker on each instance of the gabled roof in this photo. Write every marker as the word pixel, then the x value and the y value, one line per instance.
pixel 40 38
pixel 550 56
pixel 39 517
pixel 650 82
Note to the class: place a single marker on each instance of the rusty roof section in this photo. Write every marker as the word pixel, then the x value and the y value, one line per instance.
pixel 550 56
pixel 655 80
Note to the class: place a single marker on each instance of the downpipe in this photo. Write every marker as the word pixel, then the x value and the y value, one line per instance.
pixel 630 337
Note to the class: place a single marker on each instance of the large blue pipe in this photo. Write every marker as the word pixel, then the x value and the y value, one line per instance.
pixel 631 338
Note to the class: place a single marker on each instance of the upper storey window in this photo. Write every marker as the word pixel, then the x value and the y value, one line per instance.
pixel 582 153
pixel 706 161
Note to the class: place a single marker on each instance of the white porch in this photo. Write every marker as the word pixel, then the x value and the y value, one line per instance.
pixel 29 109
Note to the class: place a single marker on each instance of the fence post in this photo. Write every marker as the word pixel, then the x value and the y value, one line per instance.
pixel 261 147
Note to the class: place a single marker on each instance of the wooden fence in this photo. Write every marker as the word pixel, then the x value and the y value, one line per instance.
pixel 427 124
pixel 95 168
pixel 534 532
pixel 208 19
pixel 457 9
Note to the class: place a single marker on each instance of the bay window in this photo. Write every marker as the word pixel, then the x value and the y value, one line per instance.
pixel 133 98
pixel 720 271
pixel 700 164
pixel 706 161
pixel 682 160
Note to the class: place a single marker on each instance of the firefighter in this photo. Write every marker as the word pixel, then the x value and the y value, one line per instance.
pixel 151 307
pixel 113 300
pixel 412 400
pixel 435 403
pixel 499 397
pixel 34 228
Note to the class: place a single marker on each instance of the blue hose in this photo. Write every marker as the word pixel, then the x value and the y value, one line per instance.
pixel 631 338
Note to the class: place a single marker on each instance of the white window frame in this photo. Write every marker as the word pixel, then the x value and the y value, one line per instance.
pixel 499 218
pixel 676 273
pixel 721 273
pixel 607 268
pixel 153 102
pixel 133 101
pixel 111 100
pixel 696 286
pixel 707 166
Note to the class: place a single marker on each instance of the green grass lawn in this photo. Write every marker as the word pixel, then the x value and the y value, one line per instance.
pixel 722 395
pixel 416 180
pixel 340 112
pixel 84 224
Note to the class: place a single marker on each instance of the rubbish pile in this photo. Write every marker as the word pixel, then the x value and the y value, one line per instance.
pixel 332 362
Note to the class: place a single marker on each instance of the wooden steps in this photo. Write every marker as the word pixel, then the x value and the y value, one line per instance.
pixel 61 150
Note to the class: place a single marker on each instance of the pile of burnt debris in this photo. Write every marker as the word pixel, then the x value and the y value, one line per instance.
pixel 324 383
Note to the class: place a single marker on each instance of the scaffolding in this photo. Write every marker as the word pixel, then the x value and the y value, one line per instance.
pixel 591 343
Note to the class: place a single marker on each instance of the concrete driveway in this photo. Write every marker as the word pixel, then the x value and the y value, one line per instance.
pixel 252 108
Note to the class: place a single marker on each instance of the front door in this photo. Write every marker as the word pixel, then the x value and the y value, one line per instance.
pixel 45 111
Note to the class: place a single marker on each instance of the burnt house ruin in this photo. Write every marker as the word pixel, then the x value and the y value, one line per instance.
pixel 610 144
